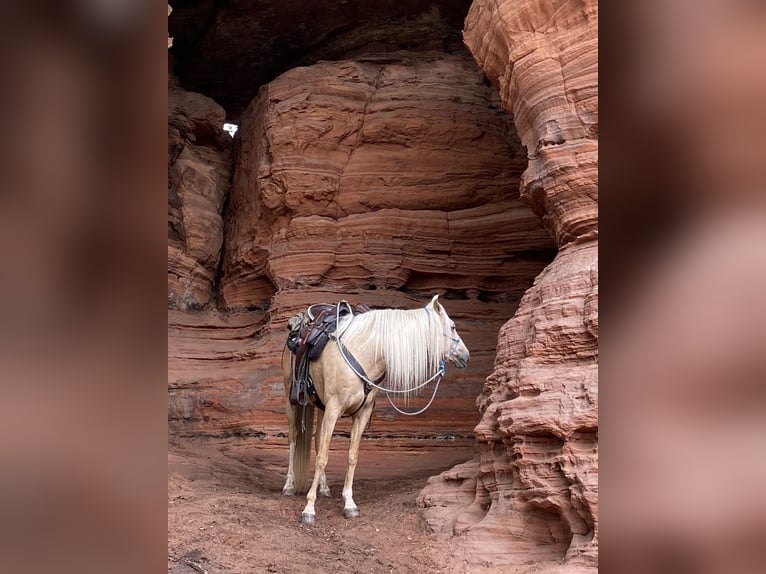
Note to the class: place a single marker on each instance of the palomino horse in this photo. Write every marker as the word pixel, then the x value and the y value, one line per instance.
pixel 409 347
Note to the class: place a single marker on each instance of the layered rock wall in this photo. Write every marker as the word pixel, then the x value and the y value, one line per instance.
pixel 385 177
pixel 382 180
pixel 397 172
pixel 531 493
pixel 199 178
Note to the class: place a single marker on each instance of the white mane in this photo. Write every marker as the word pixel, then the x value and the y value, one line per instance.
pixel 410 342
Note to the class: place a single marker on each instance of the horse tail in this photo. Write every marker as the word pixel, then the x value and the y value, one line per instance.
pixel 304 423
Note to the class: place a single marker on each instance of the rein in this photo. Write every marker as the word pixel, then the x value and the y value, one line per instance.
pixel 438 375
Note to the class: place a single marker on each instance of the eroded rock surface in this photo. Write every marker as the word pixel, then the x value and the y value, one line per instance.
pixel 386 173
pixel 543 56
pixel 531 493
pixel 199 176
pixel 382 180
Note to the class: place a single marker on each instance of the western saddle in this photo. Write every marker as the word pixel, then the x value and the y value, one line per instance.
pixel 309 332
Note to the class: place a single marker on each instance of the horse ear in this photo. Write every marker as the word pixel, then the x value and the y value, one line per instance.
pixel 434 304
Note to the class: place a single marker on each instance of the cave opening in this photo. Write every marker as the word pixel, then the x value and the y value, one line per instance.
pixel 228 49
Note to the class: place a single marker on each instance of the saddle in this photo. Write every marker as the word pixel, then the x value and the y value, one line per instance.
pixel 309 332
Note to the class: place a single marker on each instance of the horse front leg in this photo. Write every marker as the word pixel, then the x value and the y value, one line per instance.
pixel 350 509
pixel 331 414
pixel 289 488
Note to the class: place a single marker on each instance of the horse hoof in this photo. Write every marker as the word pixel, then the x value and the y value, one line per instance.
pixel 308 518
pixel 350 512
pixel 288 491
pixel 325 493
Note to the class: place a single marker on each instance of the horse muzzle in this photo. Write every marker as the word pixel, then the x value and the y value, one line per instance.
pixel 461 361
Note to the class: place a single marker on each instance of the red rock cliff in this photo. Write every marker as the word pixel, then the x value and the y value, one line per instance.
pixel 530 495
pixel 199 174
pixel 384 180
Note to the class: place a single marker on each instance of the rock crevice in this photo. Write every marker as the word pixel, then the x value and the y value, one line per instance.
pixel 199 178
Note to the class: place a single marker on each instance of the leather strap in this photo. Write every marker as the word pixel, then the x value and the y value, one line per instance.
pixel 360 370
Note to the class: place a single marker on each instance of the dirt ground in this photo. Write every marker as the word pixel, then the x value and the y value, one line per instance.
pixel 226 512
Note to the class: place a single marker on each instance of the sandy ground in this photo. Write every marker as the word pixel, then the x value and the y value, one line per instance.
pixel 226 512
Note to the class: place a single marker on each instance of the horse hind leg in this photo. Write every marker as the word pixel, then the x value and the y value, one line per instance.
pixel 350 509
pixel 324 489
pixel 287 371
pixel 289 488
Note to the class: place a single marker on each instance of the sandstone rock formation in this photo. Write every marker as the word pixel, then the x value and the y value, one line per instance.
pixel 199 174
pixel 381 180
pixel 388 174
pixel 384 173
pixel 531 493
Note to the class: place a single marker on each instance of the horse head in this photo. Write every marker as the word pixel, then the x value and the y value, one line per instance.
pixel 454 348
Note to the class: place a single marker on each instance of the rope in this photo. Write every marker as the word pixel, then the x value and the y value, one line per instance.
pixel 421 411
pixel 442 370
pixel 438 376
pixel 338 330
pixel 439 373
